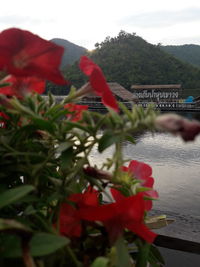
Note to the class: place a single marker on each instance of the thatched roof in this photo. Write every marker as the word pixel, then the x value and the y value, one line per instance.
pixel 157 86
pixel 119 91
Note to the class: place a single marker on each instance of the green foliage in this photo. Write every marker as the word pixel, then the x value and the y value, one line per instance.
pixel 189 53
pixel 128 59
pixel 100 262
pixel 43 156
pixel 41 244
pixel 12 195
pixel 57 89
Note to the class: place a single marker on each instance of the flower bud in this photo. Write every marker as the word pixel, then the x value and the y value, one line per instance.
pixel 178 125
pixel 96 173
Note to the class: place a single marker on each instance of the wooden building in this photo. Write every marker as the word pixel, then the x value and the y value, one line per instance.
pixel 118 91
pixel 157 93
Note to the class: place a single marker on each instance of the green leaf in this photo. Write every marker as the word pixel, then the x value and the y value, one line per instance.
pixel 12 195
pixel 40 245
pixel 63 146
pixel 130 139
pixel 59 114
pixel 53 110
pixel 6 225
pixel 44 125
pixel 108 139
pixel 10 246
pixel 70 95
pixel 43 244
pixel 51 98
pixel 125 110
pixel 123 257
pixel 100 262
pixel 66 157
pixel 19 107
pixel 156 255
pixel 70 125
pixel 143 255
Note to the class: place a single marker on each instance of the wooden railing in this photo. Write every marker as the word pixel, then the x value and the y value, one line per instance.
pixel 163 106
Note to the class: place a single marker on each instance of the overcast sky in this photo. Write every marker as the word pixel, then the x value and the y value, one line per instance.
pixel 86 22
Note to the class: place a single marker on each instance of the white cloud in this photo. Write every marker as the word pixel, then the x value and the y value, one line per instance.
pixel 89 21
pixel 162 18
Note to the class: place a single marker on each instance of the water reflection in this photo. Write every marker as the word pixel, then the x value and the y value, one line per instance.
pixel 164 148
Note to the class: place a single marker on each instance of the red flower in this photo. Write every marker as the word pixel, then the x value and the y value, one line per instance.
pixel 70 222
pixel 126 212
pixel 76 111
pixel 98 82
pixel 25 54
pixel 143 172
pixel 19 86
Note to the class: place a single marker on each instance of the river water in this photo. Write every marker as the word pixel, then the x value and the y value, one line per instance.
pixel 176 168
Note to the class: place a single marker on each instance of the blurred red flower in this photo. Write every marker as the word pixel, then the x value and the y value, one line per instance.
pixel 19 86
pixel 178 125
pixel 143 172
pixel 75 111
pixel 25 54
pixel 70 222
pixel 124 213
pixel 98 82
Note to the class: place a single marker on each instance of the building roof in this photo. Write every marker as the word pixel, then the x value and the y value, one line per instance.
pixel 119 91
pixel 157 86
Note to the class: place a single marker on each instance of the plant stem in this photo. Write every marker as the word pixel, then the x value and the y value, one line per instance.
pixel 73 257
pixel 27 258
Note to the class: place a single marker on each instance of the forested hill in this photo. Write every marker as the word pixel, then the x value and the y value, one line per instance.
pixel 188 53
pixel 128 59
pixel 72 51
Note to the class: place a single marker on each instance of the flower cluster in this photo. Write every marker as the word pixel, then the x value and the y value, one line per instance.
pixel 57 207
pixel 126 212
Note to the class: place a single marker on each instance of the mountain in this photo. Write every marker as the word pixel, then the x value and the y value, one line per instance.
pixel 188 53
pixel 128 59
pixel 72 51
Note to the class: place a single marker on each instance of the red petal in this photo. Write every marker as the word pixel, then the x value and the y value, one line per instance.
pixel 70 224
pixel 109 100
pixel 86 199
pixel 148 182
pixel 143 231
pixel 87 65
pixel 117 195
pixel 152 193
pixel 25 54
pixel 100 213
pixel 98 82
pixel 19 86
pixel 140 169
pixel 77 111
